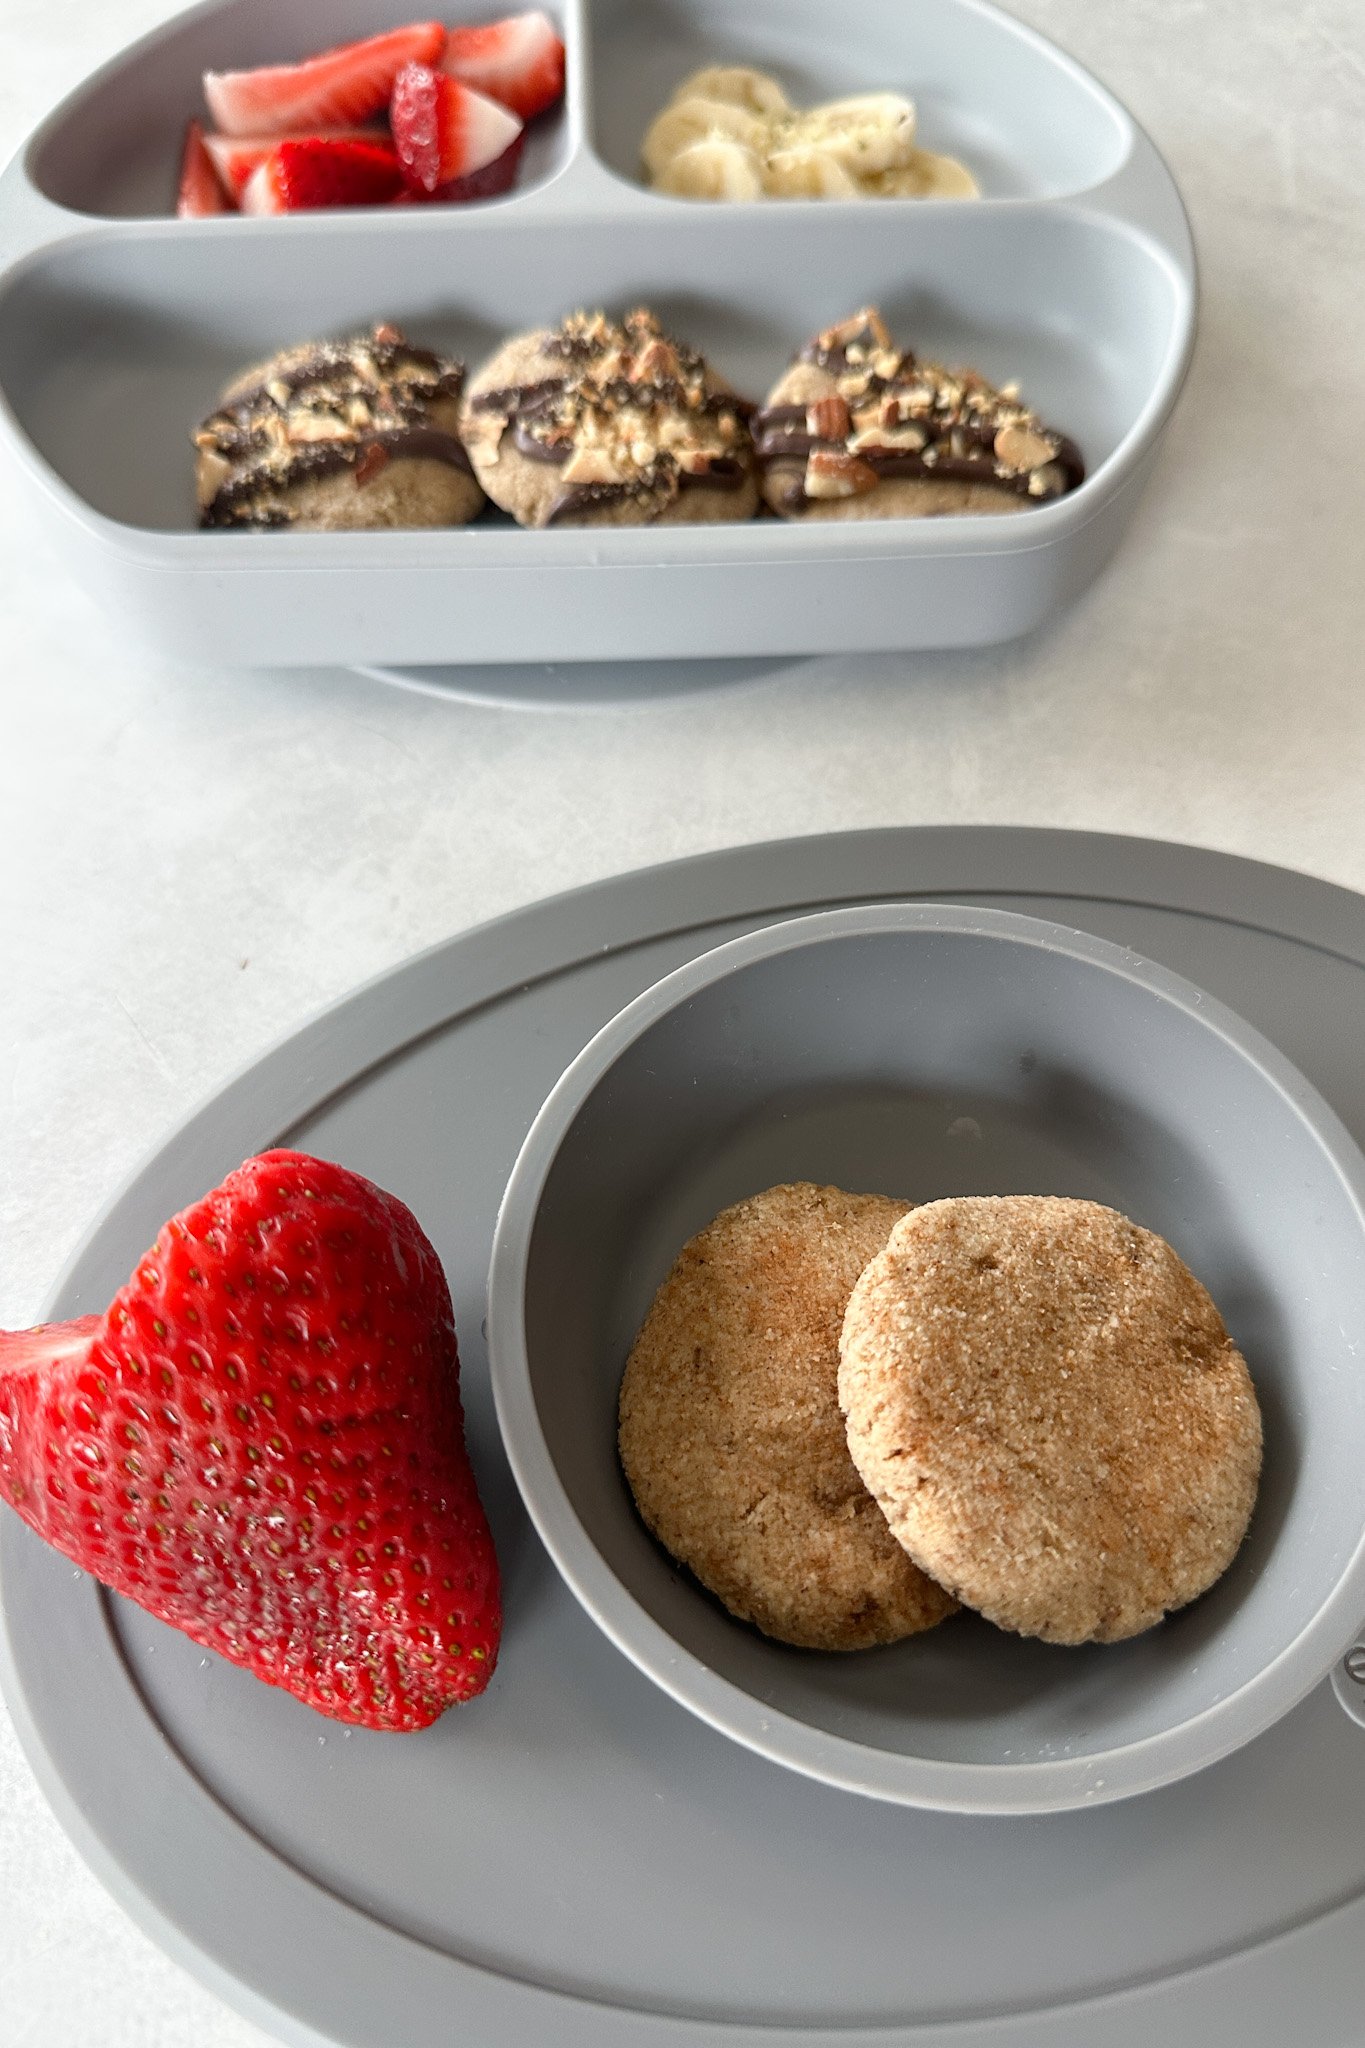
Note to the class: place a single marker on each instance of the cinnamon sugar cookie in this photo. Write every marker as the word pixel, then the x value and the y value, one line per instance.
pixel 1050 1413
pixel 730 1430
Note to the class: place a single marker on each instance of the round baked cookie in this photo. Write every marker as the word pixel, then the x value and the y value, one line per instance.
pixel 1050 1413
pixel 332 436
pixel 594 424
pixel 860 429
pixel 730 1431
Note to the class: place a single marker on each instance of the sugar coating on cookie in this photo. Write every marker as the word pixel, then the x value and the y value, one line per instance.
pixel 598 424
pixel 860 429
pixel 731 1436
pixel 1051 1414
pixel 336 436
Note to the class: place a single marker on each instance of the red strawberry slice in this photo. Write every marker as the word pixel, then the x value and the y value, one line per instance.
pixel 298 177
pixel 201 193
pixel 489 183
pixel 335 90
pixel 261 1442
pixel 442 130
pixel 519 61
pixel 235 157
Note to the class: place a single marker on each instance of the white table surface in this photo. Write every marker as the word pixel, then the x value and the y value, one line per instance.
pixel 192 861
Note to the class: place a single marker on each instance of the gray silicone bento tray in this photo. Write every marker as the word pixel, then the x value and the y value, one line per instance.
pixel 1074 274
pixel 574 1861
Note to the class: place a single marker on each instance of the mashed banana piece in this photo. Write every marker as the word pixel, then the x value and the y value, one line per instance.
pixel 730 133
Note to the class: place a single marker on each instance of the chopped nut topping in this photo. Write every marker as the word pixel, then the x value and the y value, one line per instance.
pixel 889 407
pixel 828 419
pixel 372 460
pixel 1020 446
pixel 1047 482
pixel 633 406
pixel 591 466
pixel 302 424
pixel 350 404
pixel 830 473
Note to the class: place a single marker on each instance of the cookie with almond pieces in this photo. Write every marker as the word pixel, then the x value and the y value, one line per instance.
pixel 596 423
pixel 858 428
pixel 337 436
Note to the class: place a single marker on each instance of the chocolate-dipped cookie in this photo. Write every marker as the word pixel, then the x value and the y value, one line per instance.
pixel 332 436
pixel 595 424
pixel 860 429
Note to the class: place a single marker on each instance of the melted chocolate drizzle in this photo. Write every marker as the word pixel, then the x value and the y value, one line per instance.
pixel 395 424
pixel 957 445
pixel 538 415
pixel 232 505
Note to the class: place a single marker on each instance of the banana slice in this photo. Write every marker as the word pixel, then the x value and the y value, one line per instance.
pixel 874 132
pixel 926 176
pixel 715 168
pixel 729 132
pixel 699 120
pixel 737 86
pixel 805 172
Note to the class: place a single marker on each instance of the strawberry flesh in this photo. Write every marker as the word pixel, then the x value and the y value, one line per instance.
pixel 262 1443
pixel 201 192
pixel 443 131
pixel 338 89
pixel 235 157
pixel 298 177
pixel 518 60
pixel 489 183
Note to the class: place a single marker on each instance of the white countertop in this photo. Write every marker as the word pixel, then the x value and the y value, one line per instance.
pixel 192 861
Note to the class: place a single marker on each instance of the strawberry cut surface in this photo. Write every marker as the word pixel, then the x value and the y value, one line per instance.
pixel 298 177
pixel 235 157
pixel 338 89
pixel 443 131
pixel 262 1443
pixel 201 193
pixel 518 60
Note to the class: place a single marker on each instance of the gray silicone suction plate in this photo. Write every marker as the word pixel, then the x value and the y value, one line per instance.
pixel 574 1861
pixel 1073 274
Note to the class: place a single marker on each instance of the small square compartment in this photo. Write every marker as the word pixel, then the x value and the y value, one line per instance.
pixel 113 148
pixel 1024 119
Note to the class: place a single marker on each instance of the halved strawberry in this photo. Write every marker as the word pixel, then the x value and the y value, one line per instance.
pixel 518 60
pixel 201 193
pixel 299 177
pixel 235 157
pixel 335 90
pixel 442 130
pixel 261 1442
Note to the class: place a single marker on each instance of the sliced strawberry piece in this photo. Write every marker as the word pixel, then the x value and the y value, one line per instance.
pixel 299 177
pixel 443 130
pixel 519 61
pixel 335 90
pixel 235 157
pixel 261 1442
pixel 489 183
pixel 201 192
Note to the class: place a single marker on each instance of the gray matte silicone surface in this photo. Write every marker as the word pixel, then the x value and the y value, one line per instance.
pixel 574 1861
pixel 926 1051
pixel 1075 274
